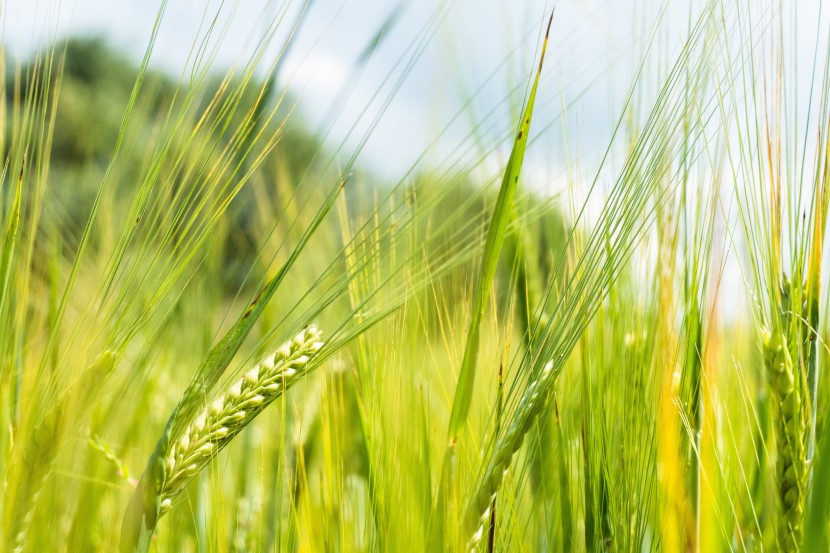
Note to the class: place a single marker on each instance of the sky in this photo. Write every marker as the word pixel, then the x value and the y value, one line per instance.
pixel 483 46
pixel 402 103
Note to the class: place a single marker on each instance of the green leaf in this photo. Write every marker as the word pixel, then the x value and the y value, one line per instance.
pixel 10 239
pixel 492 250
pixel 817 517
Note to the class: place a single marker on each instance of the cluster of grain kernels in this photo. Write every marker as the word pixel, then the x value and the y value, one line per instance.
pixel 791 474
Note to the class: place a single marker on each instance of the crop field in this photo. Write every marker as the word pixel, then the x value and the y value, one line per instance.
pixel 226 326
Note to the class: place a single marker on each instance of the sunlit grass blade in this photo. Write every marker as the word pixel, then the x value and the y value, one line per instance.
pixel 817 516
pixel 496 233
pixel 10 239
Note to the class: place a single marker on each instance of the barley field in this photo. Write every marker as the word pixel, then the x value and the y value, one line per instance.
pixel 580 307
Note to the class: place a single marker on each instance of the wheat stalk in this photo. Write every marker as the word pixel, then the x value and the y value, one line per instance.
pixel 216 425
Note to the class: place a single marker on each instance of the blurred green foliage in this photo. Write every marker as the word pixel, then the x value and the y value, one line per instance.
pixel 95 84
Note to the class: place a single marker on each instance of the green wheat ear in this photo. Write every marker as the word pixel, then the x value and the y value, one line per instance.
pixel 216 425
pixel 791 474
pixel 527 411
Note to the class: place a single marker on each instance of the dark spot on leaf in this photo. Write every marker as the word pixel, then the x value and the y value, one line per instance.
pixel 253 304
